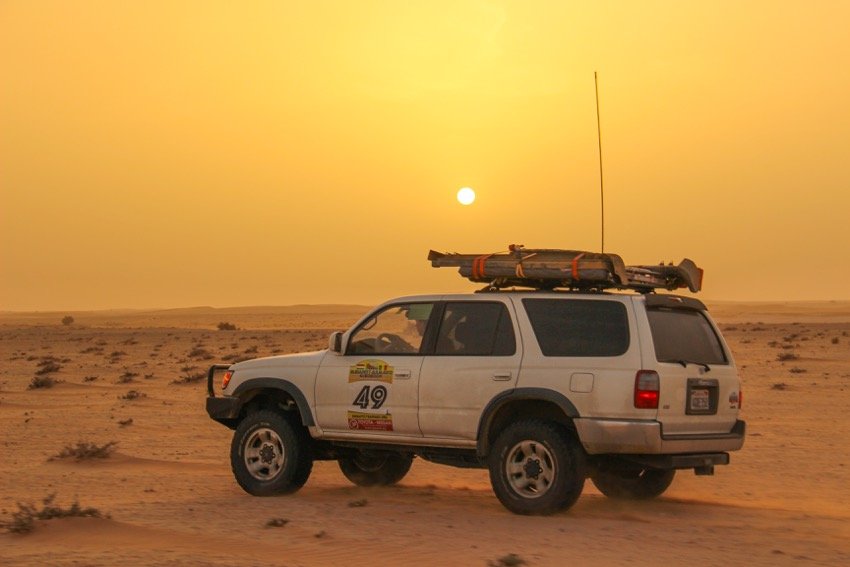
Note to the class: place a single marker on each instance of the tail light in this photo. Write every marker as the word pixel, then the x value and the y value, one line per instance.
pixel 225 380
pixel 647 388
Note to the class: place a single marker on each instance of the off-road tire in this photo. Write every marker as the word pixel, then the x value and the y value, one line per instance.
pixel 380 470
pixel 279 458
pixel 536 468
pixel 634 484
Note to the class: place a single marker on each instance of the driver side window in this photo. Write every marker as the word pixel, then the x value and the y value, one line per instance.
pixel 397 329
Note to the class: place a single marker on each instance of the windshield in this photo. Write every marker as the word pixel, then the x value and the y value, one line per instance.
pixel 682 335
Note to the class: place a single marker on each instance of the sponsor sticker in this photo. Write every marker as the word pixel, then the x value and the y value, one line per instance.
pixel 371 369
pixel 370 421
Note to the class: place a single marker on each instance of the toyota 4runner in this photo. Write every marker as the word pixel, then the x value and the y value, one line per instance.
pixel 542 388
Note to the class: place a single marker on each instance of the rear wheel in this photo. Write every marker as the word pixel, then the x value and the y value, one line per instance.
pixel 632 484
pixel 270 455
pixel 536 467
pixel 375 469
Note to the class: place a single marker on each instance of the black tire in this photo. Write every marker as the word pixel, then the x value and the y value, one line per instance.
pixel 536 468
pixel 382 469
pixel 632 484
pixel 270 454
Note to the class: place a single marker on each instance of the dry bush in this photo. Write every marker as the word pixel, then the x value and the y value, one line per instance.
pixel 47 367
pixel 835 340
pixel 509 560
pixel 125 422
pixel 67 320
pixel 190 378
pixel 127 377
pixel 132 395
pixel 779 386
pixel 200 353
pixel 277 523
pixel 225 326
pixel 40 382
pixel 797 370
pixel 85 450
pixel 23 521
pixel 783 356
pixel 89 378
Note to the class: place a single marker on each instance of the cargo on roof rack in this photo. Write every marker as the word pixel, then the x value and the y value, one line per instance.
pixel 573 269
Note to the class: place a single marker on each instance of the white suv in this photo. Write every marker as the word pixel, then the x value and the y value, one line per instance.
pixel 542 388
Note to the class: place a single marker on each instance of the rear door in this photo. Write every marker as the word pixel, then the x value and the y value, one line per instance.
pixel 476 356
pixel 699 385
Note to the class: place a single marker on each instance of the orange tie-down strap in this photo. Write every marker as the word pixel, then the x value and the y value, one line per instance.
pixel 478 266
pixel 520 273
pixel 575 266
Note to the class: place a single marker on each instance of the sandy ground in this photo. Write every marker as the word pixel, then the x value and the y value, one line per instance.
pixel 171 498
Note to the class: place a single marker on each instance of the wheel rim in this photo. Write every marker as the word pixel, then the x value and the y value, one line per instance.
pixel 530 469
pixel 264 454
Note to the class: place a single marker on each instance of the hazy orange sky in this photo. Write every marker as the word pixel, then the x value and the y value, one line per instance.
pixel 163 154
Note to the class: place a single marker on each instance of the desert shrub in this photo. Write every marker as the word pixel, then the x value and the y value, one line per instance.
pixel 798 370
pixel 251 350
pixel 127 377
pixel 42 382
pixel 225 326
pixel 779 386
pixel 126 422
pixel 201 353
pixel 509 560
pixel 190 378
pixel 277 523
pixel 89 378
pixel 783 356
pixel 835 340
pixel 47 367
pixel 23 521
pixel 67 320
pixel 132 395
pixel 86 450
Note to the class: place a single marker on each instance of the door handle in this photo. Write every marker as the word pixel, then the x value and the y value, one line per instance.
pixel 502 376
pixel 402 374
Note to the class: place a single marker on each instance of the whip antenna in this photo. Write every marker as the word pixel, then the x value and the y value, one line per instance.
pixel 599 138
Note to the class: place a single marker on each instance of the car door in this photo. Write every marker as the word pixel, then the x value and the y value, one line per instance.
pixel 372 387
pixel 476 357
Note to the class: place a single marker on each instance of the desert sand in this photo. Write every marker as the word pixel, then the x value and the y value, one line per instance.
pixel 171 500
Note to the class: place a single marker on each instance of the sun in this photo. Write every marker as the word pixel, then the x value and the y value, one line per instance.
pixel 466 196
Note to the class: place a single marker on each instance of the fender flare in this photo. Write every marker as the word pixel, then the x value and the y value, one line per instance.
pixel 283 385
pixel 508 396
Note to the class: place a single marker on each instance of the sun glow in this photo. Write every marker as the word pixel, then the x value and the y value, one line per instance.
pixel 466 196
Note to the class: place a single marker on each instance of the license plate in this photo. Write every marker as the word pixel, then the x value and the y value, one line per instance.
pixel 699 400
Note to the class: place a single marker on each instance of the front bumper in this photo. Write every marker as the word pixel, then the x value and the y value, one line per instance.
pixel 223 408
pixel 608 436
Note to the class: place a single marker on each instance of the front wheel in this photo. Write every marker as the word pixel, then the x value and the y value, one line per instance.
pixel 270 455
pixel 382 469
pixel 537 468
pixel 633 484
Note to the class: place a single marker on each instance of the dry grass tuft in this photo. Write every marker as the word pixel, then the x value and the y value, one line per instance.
pixel 86 450
pixel 509 560
pixel 783 356
pixel 23 521
pixel 40 382
pixel 225 326
pixel 132 395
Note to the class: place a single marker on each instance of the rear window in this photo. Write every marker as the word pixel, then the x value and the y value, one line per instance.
pixel 684 335
pixel 575 327
pixel 476 328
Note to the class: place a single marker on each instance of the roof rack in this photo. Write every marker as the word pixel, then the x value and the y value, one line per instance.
pixel 540 268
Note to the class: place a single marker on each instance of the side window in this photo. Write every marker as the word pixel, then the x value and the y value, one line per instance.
pixel 575 327
pixel 398 329
pixel 476 328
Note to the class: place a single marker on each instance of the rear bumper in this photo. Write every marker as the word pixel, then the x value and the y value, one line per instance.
pixel 609 436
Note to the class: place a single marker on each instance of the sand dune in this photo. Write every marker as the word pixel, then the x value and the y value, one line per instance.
pixel 172 499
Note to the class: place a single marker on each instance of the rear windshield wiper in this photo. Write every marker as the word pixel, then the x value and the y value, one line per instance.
pixel 685 363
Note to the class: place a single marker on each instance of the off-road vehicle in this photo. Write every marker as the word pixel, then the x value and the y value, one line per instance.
pixel 544 387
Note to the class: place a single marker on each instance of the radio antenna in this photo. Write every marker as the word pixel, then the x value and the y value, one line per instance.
pixel 601 185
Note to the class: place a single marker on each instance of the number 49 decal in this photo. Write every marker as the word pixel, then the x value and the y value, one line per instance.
pixel 377 395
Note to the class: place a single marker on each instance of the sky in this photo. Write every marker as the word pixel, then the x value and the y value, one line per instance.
pixel 164 154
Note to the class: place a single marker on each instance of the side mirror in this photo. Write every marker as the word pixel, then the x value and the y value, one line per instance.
pixel 335 342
